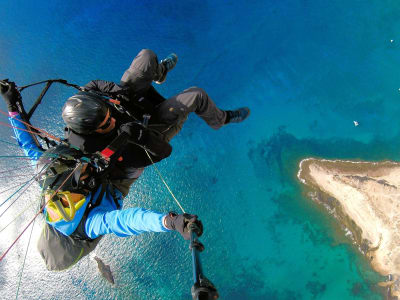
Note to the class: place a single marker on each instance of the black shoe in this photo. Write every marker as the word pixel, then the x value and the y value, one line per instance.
pixel 238 115
pixel 167 64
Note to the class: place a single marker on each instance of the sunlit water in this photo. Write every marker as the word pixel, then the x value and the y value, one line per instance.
pixel 307 70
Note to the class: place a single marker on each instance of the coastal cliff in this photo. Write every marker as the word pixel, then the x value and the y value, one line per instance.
pixel 365 198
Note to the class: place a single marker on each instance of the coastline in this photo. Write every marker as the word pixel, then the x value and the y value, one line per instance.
pixel 365 198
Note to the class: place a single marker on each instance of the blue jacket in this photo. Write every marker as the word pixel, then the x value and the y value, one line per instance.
pixel 103 219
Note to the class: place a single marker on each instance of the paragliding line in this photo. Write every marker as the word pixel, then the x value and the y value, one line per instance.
pixel 165 183
pixel 16 199
pixel 30 180
pixel 10 170
pixel 29 224
pixel 24 210
pixel 6 190
pixel 23 264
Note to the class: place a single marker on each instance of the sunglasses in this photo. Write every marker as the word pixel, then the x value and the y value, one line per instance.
pixel 106 124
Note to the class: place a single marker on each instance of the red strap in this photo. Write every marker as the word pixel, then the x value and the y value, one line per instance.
pixel 114 101
pixel 107 152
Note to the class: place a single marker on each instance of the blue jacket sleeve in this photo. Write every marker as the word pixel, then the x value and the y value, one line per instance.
pixel 126 222
pixel 25 140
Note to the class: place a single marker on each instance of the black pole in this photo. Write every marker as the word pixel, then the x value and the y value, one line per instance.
pixel 196 247
pixel 38 100
pixel 202 289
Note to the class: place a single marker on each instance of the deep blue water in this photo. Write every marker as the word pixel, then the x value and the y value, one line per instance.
pixel 307 69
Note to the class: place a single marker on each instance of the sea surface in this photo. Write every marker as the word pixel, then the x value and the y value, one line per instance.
pixel 307 70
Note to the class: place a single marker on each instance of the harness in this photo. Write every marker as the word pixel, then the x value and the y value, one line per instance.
pixel 142 103
pixel 103 162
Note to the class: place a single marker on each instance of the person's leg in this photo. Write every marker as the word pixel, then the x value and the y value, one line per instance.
pixel 123 185
pixel 143 70
pixel 176 109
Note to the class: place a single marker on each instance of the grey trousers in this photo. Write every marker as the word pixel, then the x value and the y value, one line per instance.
pixel 123 185
pixel 173 112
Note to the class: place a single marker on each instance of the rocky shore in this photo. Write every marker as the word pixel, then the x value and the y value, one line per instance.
pixel 365 198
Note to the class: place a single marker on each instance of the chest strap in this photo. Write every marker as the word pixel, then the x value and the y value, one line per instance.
pixel 108 156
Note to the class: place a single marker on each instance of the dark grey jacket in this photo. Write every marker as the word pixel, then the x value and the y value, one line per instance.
pixel 133 155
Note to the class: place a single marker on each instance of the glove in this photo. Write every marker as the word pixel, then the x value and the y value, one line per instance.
pixel 123 98
pixel 134 130
pixel 157 147
pixel 181 223
pixel 10 95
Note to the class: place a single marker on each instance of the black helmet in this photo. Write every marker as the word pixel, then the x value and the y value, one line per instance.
pixel 54 167
pixel 84 112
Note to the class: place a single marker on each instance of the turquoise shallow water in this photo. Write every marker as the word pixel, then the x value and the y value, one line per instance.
pixel 306 69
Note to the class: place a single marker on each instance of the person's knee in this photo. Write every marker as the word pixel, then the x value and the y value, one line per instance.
pixel 147 53
pixel 194 98
pixel 198 92
pixel 142 71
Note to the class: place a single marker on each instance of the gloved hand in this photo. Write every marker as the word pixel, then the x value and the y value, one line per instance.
pixel 123 98
pixel 157 147
pixel 10 95
pixel 134 130
pixel 181 223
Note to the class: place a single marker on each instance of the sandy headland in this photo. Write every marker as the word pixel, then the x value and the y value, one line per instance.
pixel 365 198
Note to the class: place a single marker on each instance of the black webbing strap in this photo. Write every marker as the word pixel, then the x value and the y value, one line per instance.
pixel 62 81
pixel 106 159
pixel 80 232
pixel 27 116
pixel 115 147
pixel 109 156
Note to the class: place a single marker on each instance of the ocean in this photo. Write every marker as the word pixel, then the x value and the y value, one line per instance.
pixel 306 69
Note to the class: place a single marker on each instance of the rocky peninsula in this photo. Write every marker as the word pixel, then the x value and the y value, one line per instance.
pixel 365 198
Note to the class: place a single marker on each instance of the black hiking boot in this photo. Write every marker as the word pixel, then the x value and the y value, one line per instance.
pixel 237 116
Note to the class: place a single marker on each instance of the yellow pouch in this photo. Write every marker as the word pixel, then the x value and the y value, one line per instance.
pixel 56 211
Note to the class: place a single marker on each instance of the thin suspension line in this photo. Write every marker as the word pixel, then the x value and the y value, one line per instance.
pixel 41 172
pixel 165 183
pixel 31 149
pixel 11 170
pixel 24 210
pixel 11 126
pixel 16 175
pixel 23 264
pixel 16 156
pixel 19 196
pixel 15 145
pixel 30 131
pixel 27 156
pixel 29 224
pixel 19 184
pixel 31 126
pixel 26 254
pixel 30 180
